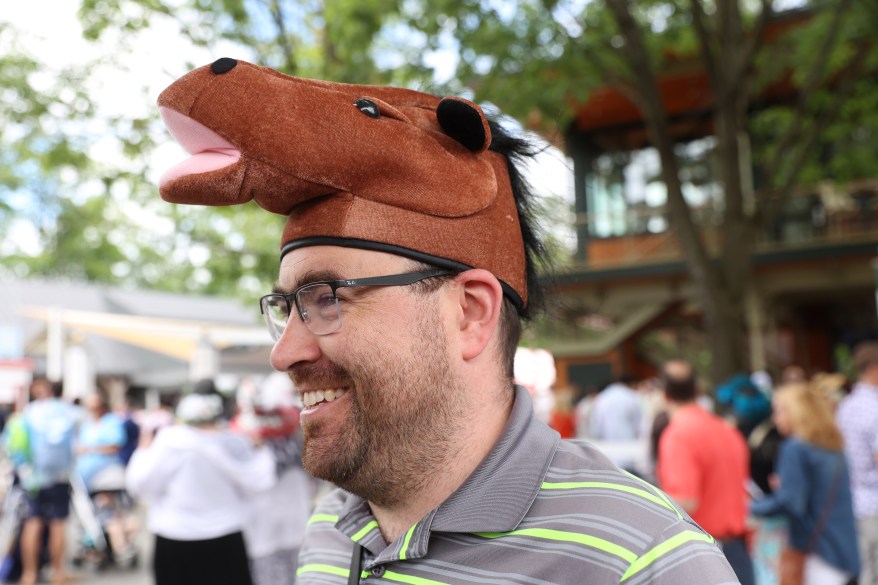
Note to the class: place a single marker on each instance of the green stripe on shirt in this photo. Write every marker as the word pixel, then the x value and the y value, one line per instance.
pixel 664 548
pixel 562 536
pixel 405 543
pixel 364 531
pixel 322 518
pixel 572 485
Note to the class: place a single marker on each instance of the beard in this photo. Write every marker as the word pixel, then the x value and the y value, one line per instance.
pixel 404 409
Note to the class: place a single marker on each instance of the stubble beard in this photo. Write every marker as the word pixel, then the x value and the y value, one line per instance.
pixel 403 415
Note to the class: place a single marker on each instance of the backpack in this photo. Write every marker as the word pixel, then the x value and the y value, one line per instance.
pixel 51 427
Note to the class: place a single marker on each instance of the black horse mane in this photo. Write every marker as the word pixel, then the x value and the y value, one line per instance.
pixel 517 150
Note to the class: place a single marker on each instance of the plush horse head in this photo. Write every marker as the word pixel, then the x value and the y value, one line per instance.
pixel 370 167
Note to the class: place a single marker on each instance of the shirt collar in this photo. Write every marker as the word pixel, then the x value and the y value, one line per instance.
pixel 495 498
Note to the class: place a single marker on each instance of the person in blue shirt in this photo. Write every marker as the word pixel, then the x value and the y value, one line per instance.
pixel 49 425
pixel 814 487
pixel 101 436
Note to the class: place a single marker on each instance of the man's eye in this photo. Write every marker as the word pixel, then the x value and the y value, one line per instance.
pixel 326 301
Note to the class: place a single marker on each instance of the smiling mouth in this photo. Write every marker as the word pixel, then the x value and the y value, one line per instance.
pixel 316 397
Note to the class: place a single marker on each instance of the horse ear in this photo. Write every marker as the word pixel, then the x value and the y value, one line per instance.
pixel 465 122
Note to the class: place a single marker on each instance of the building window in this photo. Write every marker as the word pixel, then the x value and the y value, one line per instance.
pixel 626 195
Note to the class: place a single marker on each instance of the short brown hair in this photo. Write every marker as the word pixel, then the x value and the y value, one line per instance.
pixel 509 327
pixel 865 355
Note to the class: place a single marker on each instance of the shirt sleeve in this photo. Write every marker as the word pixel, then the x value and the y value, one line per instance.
pixel 682 554
pixel 792 496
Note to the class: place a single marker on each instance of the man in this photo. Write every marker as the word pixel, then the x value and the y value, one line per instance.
pixel 406 263
pixel 50 424
pixel 704 464
pixel 617 413
pixel 858 421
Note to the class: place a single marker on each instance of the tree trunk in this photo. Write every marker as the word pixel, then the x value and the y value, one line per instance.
pixel 720 285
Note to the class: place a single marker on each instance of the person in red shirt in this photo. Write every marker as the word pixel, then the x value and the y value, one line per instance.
pixel 704 465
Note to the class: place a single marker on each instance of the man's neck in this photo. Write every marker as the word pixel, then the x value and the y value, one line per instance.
pixel 480 433
pixel 674 408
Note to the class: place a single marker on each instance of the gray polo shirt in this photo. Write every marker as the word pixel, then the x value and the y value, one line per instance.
pixel 537 511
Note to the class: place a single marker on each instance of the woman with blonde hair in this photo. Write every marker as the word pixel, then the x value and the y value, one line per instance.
pixel 814 491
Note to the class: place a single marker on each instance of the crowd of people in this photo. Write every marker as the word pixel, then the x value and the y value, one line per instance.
pixel 784 476
pixel 220 480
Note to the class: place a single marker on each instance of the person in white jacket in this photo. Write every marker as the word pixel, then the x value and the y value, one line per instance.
pixel 198 478
pixel 279 516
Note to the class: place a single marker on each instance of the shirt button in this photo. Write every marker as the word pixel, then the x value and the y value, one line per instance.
pixel 378 571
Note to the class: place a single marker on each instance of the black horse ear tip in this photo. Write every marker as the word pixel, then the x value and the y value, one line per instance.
pixel 223 65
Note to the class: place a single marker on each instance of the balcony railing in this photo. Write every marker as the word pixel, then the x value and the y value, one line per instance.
pixel 821 215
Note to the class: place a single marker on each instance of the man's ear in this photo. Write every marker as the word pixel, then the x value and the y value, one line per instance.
pixel 480 299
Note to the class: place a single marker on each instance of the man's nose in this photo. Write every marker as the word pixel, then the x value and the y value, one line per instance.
pixel 296 344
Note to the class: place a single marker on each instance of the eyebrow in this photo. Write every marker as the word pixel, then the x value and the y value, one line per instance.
pixel 308 278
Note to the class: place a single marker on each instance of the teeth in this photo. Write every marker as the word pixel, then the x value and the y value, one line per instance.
pixel 318 396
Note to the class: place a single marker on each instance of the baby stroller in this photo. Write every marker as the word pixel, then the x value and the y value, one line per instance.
pixel 107 521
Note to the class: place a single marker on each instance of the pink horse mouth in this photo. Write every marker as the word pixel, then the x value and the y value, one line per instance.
pixel 209 150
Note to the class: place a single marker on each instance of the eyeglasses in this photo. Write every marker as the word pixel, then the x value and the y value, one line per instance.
pixel 317 303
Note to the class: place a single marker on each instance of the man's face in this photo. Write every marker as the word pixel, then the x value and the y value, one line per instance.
pixel 395 398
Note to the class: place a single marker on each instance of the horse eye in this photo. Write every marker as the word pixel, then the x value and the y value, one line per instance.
pixel 368 107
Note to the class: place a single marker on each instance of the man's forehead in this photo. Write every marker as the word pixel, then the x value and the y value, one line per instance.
pixel 311 263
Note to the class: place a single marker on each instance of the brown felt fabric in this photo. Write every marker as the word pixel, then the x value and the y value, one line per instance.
pixel 309 153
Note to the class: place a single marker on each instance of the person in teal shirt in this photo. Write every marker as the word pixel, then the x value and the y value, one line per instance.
pixel 101 436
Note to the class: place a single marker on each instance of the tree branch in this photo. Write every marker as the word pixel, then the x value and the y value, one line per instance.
pixel 707 41
pixel 841 94
pixel 815 75
pixel 753 44
pixel 659 130
pixel 283 39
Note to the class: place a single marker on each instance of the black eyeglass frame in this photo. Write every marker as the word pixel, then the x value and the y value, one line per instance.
pixel 403 279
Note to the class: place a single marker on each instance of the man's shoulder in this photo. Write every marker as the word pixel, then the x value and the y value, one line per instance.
pixel 620 518
pixel 583 480
pixel 858 406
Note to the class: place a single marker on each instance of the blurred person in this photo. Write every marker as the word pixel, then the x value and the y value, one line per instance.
pixel 99 464
pixel 562 417
pixel 857 417
pixel 132 431
pixel 813 490
pixel 50 424
pixel 769 532
pixel 741 399
pixel 407 263
pixel 198 478
pixel 154 419
pixel 101 436
pixel 278 517
pixel 617 413
pixel 703 464
pixel 583 411
pixel 831 386
pixel 616 422
pixel 793 374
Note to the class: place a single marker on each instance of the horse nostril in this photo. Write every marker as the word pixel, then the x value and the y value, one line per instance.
pixel 223 65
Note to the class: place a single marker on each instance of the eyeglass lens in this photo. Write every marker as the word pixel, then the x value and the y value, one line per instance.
pixel 317 304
